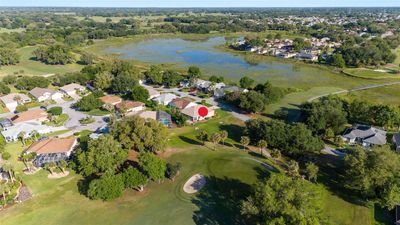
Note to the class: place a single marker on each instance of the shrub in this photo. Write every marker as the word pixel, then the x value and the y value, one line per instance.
pixel 21 108
pixel 56 111
pixel 5 155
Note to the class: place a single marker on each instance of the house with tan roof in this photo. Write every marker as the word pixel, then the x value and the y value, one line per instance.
pixel 43 94
pixel 11 101
pixel 193 113
pixel 110 101
pixel 130 107
pixel 72 89
pixel 36 115
pixel 182 103
pixel 52 150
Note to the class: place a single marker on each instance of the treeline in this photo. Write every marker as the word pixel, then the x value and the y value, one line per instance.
pixel 329 115
pixel 257 97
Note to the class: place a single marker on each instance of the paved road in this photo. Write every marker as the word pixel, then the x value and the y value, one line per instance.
pixel 354 89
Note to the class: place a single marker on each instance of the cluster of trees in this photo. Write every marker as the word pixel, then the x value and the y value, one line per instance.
pixel 257 98
pixel 104 159
pixel 136 133
pixel 156 75
pixel 329 115
pixel 89 102
pixel 29 82
pixel 374 174
pixel 8 56
pixel 54 54
pixel 300 202
pixel 291 139
pixel 372 52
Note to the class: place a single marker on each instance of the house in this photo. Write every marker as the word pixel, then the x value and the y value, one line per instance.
pixel 365 135
pixel 12 133
pixel 130 107
pixel 396 141
pixel 52 150
pixel 72 89
pixel 220 93
pixel 11 101
pixel 36 115
pixel 165 99
pixel 193 113
pixel 181 103
pixel 5 123
pixel 43 94
pixel 160 116
pixel 203 85
pixel 110 101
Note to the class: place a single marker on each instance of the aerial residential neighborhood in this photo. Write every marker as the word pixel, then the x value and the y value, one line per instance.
pixel 200 112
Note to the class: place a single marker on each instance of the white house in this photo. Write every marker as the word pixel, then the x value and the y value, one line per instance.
pixel 165 99
pixel 193 113
pixel 72 89
pixel 12 133
pixel 43 94
pixel 11 101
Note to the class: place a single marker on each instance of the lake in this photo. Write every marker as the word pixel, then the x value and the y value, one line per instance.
pixel 213 61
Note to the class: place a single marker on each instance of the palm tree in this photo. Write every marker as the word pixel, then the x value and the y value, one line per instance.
pixel 22 136
pixel 50 166
pixel 35 134
pixel 244 141
pixel 10 170
pixel 224 136
pixel 215 138
pixel 4 188
pixel 262 144
pixel 62 165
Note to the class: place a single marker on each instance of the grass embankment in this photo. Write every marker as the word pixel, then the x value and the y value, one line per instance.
pixel 28 66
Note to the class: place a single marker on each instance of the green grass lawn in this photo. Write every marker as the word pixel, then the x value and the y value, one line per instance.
pixel 371 74
pixel 385 95
pixel 97 112
pixel 32 67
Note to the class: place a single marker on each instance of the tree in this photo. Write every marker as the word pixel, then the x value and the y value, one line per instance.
pixel 87 58
pixel 10 170
pixel 173 170
pixel 102 155
pixel 124 82
pixel 223 135
pixel 293 169
pixel 154 75
pixel 108 187
pixel 133 178
pixel 54 54
pixel 215 138
pixel 26 158
pixel 329 133
pixel 140 93
pixel 171 78
pixel 194 73
pixel 4 89
pixel 252 101
pixel 62 164
pixel 374 174
pixel 300 202
pixel 4 189
pixel 22 136
pixel 311 171
pixel 88 103
pixel 136 133
pixel 246 82
pixel 55 111
pixel 153 166
pixel 338 61
pixel 35 134
pixel 216 79
pixel 103 80
pixel 8 56
pixel 202 136
pixel 244 141
pixel 50 167
pixel 262 144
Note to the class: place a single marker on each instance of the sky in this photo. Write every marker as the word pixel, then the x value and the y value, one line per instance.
pixel 202 3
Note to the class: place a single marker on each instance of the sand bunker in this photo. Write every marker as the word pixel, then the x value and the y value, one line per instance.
pixel 194 184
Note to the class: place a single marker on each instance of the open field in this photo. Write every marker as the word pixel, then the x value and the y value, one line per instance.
pixel 31 67
pixel 371 74
pixel 385 95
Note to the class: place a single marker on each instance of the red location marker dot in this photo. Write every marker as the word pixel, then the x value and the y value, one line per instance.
pixel 203 111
